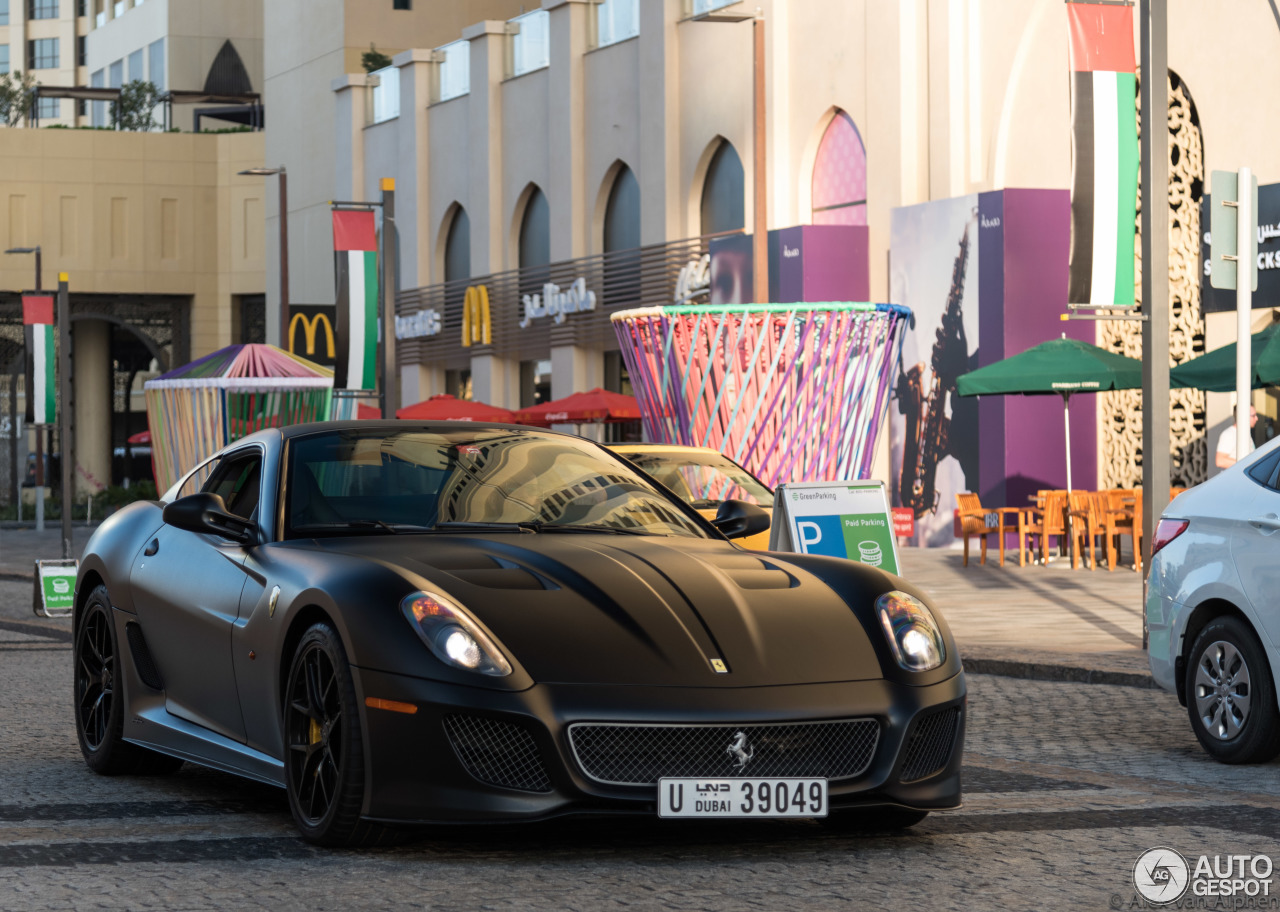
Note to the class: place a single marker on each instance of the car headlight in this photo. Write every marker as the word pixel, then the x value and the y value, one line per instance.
pixel 453 635
pixel 912 632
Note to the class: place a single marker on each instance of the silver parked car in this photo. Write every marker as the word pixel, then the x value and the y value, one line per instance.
pixel 1213 607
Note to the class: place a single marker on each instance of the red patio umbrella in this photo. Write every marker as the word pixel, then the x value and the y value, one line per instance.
pixel 367 412
pixel 443 407
pixel 142 438
pixel 592 407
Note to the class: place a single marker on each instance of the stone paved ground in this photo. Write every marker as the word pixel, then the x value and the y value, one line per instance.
pixel 1066 784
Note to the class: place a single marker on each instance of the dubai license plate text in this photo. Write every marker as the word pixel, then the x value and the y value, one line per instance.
pixel 780 797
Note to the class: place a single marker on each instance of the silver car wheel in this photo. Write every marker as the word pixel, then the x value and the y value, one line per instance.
pixel 1222 690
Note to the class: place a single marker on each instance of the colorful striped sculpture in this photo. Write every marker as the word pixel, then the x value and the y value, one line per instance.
pixel 195 410
pixel 794 392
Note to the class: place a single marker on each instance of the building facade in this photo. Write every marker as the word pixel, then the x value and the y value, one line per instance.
pixel 161 240
pixel 530 145
pixel 48 40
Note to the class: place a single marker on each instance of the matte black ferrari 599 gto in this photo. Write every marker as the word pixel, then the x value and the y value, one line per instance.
pixel 403 624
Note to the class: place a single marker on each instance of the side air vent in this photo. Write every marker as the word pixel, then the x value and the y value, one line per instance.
pixel 497 752
pixel 142 660
pixel 928 747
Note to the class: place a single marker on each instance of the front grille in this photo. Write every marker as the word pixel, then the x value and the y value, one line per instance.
pixel 641 754
pixel 497 752
pixel 929 745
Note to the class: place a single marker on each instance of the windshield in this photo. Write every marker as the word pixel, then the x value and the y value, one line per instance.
pixel 702 479
pixel 387 480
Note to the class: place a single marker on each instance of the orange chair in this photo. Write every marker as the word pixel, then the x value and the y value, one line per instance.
pixel 1046 520
pixel 1089 511
pixel 973 522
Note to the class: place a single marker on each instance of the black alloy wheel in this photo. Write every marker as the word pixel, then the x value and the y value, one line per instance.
pixel 1231 696
pixel 324 768
pixel 99 696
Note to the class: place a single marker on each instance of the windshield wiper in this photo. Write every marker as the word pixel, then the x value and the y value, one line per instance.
pixel 532 525
pixel 463 526
pixel 359 524
pixel 580 527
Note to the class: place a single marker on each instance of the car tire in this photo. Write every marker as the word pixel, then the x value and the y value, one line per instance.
pixel 324 747
pixel 1231 695
pixel 875 820
pixel 99 697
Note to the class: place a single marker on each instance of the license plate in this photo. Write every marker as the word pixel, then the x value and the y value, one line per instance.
pixel 781 797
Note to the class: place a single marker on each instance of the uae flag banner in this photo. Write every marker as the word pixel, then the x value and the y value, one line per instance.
pixel 355 246
pixel 37 325
pixel 1104 193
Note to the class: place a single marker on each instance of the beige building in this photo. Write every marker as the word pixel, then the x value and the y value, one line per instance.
pixel 551 108
pixel 162 243
pixel 182 45
pixel 301 66
pixel 47 39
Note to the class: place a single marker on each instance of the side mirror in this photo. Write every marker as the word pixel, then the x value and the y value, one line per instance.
pixel 206 512
pixel 738 519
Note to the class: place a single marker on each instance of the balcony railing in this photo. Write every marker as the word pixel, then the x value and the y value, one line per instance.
pixel 617 20
pixel 386 94
pixel 530 42
pixel 455 70
pixel 621 279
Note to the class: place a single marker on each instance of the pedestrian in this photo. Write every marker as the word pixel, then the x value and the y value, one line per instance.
pixel 1226 455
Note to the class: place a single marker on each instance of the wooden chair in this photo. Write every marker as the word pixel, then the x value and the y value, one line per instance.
pixel 1044 521
pixel 973 522
pixel 1088 513
pixel 1124 517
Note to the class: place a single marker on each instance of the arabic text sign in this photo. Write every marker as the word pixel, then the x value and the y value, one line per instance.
pixel 55 584
pixel 849 519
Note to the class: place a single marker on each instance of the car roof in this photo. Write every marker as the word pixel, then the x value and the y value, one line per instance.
pixel 399 424
pixel 661 448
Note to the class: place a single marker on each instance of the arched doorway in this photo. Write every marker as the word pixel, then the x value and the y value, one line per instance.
pixel 723 192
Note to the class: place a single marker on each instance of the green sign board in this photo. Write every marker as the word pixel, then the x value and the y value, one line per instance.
pixel 55 587
pixel 848 519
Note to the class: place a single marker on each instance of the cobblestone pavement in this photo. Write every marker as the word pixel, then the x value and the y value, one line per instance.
pixel 1066 784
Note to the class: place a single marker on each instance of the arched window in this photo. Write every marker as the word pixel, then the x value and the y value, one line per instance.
pixel 723 199
pixel 622 240
pixel 840 175
pixel 457 247
pixel 622 212
pixel 535 231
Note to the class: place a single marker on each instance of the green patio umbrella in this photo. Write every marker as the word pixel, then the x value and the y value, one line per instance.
pixel 1063 366
pixel 1215 371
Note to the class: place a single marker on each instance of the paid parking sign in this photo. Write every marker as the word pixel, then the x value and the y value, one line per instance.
pixel 55 585
pixel 849 519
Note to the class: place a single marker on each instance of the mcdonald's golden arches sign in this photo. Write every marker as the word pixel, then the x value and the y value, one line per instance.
pixel 311 333
pixel 475 316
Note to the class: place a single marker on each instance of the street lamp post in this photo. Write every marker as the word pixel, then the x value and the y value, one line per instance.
pixel 13 431
pixel 284 245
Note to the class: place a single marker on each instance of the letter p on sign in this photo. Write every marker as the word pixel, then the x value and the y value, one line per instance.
pixel 810 534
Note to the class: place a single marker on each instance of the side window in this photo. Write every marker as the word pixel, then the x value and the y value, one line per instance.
pixel 195 484
pixel 235 480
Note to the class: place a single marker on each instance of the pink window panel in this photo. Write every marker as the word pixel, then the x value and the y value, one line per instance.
pixel 840 175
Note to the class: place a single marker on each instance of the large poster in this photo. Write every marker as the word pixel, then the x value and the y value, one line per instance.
pixel 933 269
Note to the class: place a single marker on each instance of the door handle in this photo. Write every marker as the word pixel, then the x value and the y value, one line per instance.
pixel 152 547
pixel 1269 523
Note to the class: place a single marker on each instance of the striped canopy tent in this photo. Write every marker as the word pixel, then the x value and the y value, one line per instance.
pixel 794 392
pixel 198 408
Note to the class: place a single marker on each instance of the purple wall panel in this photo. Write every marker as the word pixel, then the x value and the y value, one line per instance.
pixel 1036 226
pixel 835 262
pixel 991 320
